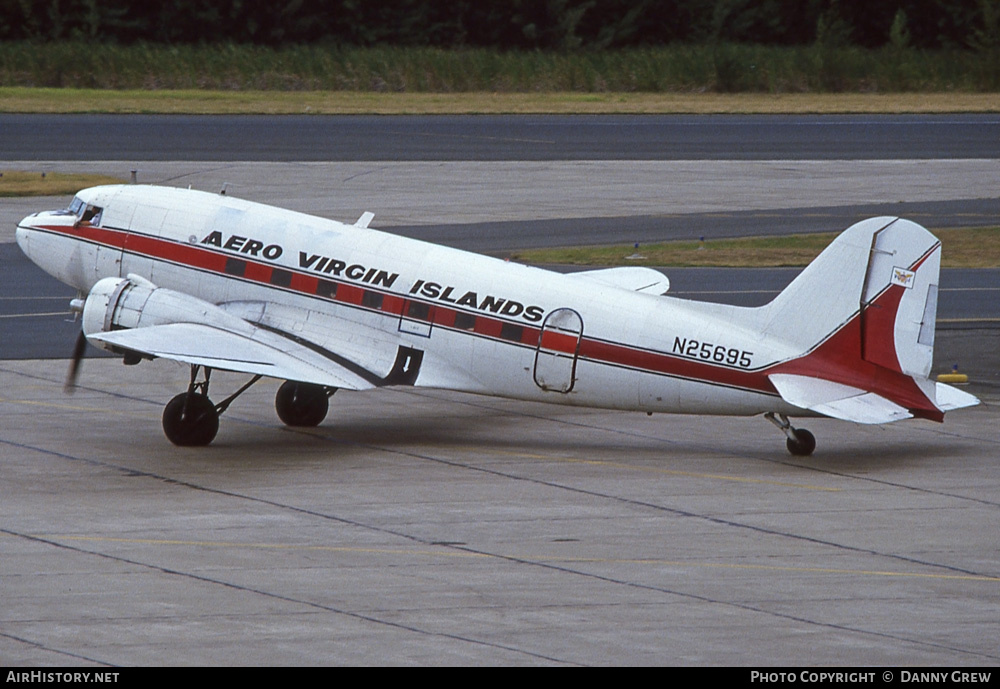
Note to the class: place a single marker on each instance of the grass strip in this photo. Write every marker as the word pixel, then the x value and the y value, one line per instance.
pixel 975 247
pixel 15 183
pixel 193 101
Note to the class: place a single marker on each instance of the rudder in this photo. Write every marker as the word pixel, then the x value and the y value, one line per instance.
pixel 861 317
pixel 899 303
pixel 884 269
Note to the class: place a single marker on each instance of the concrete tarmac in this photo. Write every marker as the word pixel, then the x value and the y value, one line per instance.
pixel 429 194
pixel 419 527
pixel 423 527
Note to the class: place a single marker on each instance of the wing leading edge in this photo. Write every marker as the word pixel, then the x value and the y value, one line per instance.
pixel 135 315
pixel 264 352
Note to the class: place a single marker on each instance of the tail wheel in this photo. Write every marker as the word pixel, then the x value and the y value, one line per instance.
pixel 800 442
pixel 302 404
pixel 803 444
pixel 190 420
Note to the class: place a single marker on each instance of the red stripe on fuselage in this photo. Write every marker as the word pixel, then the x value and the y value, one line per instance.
pixel 87 232
pixel 658 362
pixel 598 351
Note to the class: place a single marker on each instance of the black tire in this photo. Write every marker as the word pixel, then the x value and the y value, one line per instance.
pixel 804 443
pixel 301 404
pixel 190 420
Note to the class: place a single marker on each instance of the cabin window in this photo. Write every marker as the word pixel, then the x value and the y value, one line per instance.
pixel 465 321
pixel 512 332
pixel 327 289
pixel 281 278
pixel 372 300
pixel 419 311
pixel 235 266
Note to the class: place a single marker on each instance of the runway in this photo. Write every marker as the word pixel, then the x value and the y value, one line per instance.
pixel 497 137
pixel 420 527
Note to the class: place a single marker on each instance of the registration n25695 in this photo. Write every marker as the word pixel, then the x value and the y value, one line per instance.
pixel 708 351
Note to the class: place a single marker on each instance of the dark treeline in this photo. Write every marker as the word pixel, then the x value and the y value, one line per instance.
pixel 510 24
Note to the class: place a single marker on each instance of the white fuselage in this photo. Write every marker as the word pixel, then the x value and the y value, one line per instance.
pixel 482 325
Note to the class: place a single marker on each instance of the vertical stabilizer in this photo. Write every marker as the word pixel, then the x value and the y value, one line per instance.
pixel 827 294
pixel 884 270
pixel 862 315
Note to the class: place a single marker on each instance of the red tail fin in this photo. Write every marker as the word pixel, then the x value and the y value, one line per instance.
pixel 863 316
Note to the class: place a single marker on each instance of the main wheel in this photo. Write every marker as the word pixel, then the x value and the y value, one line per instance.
pixel 803 445
pixel 190 420
pixel 301 404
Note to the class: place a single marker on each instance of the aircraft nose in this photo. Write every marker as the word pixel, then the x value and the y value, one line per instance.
pixel 24 229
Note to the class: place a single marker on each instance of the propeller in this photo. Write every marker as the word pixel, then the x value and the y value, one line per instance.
pixel 74 364
pixel 76 308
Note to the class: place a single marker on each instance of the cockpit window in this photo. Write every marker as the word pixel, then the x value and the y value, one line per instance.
pixel 85 212
pixel 92 214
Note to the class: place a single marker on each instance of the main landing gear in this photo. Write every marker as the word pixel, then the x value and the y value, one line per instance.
pixel 801 442
pixel 191 419
pixel 302 404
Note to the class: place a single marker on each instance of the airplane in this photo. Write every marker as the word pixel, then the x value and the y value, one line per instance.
pixel 216 282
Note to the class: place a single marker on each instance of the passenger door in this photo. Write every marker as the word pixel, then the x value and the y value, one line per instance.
pixel 558 351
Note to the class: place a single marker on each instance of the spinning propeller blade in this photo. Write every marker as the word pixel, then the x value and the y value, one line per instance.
pixel 74 364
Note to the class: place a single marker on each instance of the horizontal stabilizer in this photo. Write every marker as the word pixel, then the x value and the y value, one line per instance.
pixel 265 353
pixel 631 278
pixel 837 400
pixel 949 398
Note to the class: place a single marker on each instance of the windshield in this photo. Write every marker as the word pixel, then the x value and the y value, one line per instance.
pixel 85 212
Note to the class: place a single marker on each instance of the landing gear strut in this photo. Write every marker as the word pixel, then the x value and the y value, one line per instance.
pixel 191 419
pixel 302 404
pixel 800 442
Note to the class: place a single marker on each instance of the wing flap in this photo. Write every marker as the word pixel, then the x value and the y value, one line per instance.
pixel 264 352
pixel 352 341
pixel 839 401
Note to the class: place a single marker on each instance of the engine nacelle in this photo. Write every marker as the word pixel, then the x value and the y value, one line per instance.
pixel 134 302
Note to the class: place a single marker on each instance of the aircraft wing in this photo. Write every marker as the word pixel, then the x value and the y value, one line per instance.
pixel 631 278
pixel 261 352
pixel 837 400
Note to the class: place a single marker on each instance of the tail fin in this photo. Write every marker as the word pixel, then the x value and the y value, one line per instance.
pixel 863 316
